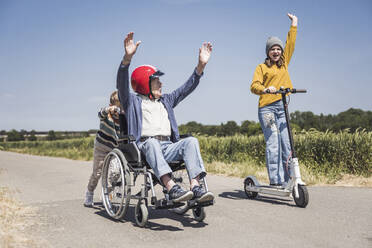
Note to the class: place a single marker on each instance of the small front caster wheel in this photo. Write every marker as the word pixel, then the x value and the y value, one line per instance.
pixel 199 214
pixel 141 214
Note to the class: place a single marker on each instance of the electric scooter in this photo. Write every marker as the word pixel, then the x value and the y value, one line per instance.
pixel 295 185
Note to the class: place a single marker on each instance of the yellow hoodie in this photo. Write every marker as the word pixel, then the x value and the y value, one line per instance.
pixel 273 76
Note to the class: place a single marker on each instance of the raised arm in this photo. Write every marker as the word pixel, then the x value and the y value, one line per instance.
pixel 179 94
pixel 291 39
pixel 122 80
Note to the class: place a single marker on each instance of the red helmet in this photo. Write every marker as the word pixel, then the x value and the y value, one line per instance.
pixel 141 78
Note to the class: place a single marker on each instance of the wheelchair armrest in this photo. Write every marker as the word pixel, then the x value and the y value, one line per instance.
pixel 126 139
pixel 182 136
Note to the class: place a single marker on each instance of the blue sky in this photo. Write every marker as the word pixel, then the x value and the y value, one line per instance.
pixel 58 59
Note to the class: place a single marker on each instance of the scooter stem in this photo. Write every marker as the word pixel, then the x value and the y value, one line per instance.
pixel 296 175
pixel 285 104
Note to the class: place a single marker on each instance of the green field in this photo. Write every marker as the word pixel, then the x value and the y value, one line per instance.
pixel 324 156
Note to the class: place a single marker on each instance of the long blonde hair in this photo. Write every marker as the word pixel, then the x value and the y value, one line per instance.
pixel 280 62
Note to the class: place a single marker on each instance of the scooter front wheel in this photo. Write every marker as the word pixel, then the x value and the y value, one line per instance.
pixel 248 182
pixel 303 196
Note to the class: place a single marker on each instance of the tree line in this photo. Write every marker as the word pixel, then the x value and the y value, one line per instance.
pixel 351 119
pixel 14 135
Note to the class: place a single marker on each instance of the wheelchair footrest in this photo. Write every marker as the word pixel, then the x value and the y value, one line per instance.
pixel 194 203
pixel 164 204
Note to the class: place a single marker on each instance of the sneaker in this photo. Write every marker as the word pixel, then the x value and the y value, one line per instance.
pixel 201 195
pixel 177 194
pixel 276 185
pixel 88 199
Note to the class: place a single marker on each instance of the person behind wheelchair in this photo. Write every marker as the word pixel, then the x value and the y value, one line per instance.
pixel 105 141
pixel 151 120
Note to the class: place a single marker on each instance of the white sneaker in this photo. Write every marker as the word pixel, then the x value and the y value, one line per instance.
pixel 88 199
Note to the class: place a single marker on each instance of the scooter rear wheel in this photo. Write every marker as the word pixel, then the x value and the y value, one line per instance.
pixel 303 196
pixel 249 182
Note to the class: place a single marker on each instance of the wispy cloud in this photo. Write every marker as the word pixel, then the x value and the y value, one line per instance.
pixel 7 96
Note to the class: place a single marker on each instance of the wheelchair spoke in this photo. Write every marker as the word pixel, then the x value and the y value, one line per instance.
pixel 115 190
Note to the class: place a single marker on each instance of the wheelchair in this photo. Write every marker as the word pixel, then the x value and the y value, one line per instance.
pixel 121 169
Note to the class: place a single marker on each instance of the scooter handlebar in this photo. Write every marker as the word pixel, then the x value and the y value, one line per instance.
pixel 299 91
pixel 286 90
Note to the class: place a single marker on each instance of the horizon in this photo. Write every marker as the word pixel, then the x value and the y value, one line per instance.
pixel 221 123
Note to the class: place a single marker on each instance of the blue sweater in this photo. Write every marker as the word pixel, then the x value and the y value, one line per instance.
pixel 132 103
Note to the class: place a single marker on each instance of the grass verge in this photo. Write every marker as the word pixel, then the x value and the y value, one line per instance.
pixel 15 220
pixel 242 170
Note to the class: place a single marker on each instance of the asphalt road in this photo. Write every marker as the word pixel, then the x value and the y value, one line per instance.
pixel 335 216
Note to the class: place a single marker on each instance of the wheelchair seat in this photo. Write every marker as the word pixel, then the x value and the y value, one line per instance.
pixel 130 151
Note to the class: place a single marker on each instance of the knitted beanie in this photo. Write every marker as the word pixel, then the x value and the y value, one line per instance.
pixel 272 41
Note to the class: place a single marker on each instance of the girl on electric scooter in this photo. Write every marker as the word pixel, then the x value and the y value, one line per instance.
pixel 268 78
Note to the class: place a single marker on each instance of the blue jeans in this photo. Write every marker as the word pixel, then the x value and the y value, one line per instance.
pixel 274 127
pixel 157 154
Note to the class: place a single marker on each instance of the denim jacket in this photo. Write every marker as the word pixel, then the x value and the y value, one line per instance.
pixel 132 103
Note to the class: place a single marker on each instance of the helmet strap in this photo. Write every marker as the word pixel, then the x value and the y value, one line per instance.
pixel 150 95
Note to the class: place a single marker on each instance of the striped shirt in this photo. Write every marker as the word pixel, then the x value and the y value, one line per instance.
pixel 109 131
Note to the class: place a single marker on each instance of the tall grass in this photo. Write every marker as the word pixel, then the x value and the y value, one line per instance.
pixel 78 149
pixel 321 153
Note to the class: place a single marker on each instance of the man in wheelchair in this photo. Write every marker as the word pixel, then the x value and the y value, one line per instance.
pixel 151 121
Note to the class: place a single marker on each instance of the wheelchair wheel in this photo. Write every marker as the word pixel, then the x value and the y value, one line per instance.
pixel 115 184
pixel 199 214
pixel 141 214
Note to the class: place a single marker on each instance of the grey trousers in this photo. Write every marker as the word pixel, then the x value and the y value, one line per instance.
pixel 99 154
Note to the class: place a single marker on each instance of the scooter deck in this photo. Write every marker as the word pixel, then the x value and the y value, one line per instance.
pixel 270 190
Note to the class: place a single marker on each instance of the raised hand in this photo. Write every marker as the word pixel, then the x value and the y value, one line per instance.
pixel 293 19
pixel 130 48
pixel 205 52
pixel 204 55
